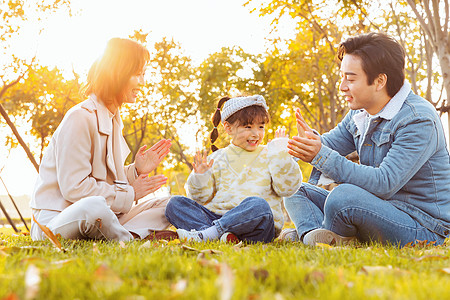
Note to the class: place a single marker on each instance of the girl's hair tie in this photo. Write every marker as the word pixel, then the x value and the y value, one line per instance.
pixel 218 108
pixel 215 127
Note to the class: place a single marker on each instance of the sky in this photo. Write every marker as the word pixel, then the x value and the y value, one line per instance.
pixel 202 27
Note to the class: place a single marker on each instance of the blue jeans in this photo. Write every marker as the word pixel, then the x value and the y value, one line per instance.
pixel 251 220
pixel 349 210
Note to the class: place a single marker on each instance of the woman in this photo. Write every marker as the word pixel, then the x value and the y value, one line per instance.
pixel 83 190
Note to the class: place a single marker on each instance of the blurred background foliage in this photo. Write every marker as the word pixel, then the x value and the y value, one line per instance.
pixel 179 97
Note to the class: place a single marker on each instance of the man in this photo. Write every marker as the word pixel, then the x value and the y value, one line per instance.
pixel 400 191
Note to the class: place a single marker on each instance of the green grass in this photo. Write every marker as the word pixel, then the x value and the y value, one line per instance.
pixel 138 270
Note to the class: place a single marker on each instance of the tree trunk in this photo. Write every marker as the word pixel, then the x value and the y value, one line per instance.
pixel 19 138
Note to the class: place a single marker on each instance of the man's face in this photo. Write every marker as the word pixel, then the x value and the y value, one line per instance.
pixel 357 92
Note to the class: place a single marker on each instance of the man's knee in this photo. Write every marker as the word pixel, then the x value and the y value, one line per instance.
pixel 302 193
pixel 342 196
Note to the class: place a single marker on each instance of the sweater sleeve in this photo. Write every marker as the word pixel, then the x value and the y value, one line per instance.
pixel 200 187
pixel 285 172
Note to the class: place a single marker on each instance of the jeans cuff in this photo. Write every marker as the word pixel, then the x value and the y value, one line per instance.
pixel 219 227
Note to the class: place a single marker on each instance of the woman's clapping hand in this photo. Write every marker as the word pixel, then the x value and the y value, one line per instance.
pixel 147 160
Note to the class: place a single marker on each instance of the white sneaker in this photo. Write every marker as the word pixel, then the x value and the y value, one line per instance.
pixel 325 236
pixel 289 235
pixel 188 236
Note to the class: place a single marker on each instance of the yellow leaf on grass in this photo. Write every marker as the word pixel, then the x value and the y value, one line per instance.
pixel 325 246
pixel 211 251
pixel 174 242
pixel 49 234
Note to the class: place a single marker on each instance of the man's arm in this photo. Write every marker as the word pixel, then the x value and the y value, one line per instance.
pixel 409 151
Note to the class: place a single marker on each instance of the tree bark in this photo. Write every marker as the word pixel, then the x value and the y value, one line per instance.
pixel 437 34
pixel 19 138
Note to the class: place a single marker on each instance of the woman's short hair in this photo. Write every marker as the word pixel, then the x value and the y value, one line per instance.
pixel 109 75
pixel 379 54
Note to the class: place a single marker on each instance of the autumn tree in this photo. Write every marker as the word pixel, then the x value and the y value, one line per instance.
pixel 320 27
pixel 15 14
pixel 168 104
pixel 42 97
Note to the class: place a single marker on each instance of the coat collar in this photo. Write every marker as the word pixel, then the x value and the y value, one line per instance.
pixel 104 116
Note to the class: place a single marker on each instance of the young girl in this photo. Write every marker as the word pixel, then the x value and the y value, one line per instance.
pixel 83 190
pixel 236 193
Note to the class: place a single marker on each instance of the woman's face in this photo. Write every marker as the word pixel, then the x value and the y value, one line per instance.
pixel 133 87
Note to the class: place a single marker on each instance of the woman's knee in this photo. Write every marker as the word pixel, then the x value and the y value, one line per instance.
pixel 93 204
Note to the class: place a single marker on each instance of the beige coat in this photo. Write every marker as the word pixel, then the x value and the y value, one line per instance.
pixel 84 158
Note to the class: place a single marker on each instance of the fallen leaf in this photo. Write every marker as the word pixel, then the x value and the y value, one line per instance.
pixel 32 281
pixel 430 257
pixel 122 245
pixel 211 251
pixel 315 277
pixel 382 269
pixel 15 249
pixel 95 248
pixel 63 262
pixel 225 282
pixel 260 274
pixel 11 296
pixel 174 242
pixel 323 246
pixel 179 286
pixel 420 244
pixel 49 234
pixel 211 263
pixel 147 244
pixel 445 270
pixel 105 278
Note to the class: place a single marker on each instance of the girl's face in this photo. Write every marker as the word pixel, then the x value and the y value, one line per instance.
pixel 133 87
pixel 247 137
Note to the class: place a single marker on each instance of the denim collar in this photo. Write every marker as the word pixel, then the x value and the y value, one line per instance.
pixel 389 110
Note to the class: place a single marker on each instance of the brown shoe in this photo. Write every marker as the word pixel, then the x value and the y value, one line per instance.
pixel 167 235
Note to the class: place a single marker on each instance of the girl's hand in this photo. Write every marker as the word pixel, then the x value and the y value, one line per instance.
pixel 147 160
pixel 200 162
pixel 145 185
pixel 280 132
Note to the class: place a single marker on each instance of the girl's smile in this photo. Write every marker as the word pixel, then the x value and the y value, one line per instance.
pixel 247 137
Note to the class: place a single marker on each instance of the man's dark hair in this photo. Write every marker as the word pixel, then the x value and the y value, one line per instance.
pixel 379 54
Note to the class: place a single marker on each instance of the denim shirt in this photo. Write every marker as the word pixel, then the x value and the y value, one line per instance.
pixel 403 158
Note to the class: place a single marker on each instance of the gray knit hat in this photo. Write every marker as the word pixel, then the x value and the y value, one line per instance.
pixel 235 104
